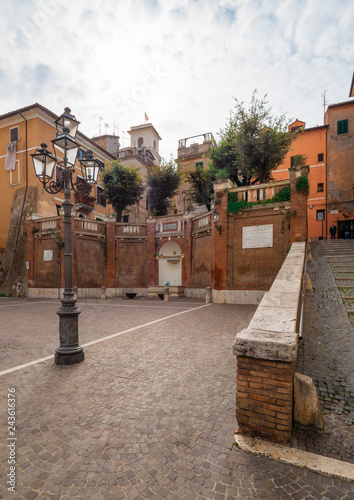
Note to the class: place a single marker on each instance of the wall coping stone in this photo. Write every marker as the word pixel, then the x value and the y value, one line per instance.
pixel 271 334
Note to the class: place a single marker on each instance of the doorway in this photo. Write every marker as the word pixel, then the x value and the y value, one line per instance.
pixel 341 226
pixel 170 264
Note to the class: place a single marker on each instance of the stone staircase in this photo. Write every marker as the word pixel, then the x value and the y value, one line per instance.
pixel 340 257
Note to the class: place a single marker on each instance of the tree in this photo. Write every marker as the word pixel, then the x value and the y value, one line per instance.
pixel 163 182
pixel 201 186
pixel 253 143
pixel 123 187
pixel 201 190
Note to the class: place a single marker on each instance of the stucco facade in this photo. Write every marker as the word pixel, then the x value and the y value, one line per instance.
pixel 31 126
pixel 340 166
pixel 310 142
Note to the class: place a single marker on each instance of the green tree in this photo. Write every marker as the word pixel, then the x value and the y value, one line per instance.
pixel 163 182
pixel 201 186
pixel 253 143
pixel 123 187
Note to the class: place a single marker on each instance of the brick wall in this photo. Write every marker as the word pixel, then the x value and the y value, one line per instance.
pixel 256 268
pixel 298 206
pixel 264 398
pixel 201 263
pixel 131 263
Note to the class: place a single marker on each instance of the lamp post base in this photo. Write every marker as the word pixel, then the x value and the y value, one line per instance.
pixel 69 352
pixel 65 357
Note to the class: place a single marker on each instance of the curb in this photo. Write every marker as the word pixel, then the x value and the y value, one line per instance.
pixel 302 459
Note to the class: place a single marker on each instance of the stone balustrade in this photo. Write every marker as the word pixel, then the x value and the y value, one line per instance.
pixel 266 356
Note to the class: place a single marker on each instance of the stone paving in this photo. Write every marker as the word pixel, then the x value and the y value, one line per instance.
pixel 149 414
pixel 327 351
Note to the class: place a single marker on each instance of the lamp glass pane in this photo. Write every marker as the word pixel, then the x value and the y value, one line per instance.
pixel 66 143
pixel 71 125
pixel 38 163
pixel 71 155
pixel 49 167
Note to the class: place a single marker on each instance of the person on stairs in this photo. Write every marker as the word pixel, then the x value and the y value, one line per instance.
pixel 347 232
pixel 332 231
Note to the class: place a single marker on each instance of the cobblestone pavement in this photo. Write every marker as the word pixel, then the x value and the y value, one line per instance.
pixel 327 352
pixel 149 414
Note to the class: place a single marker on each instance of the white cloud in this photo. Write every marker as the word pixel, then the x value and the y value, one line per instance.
pixel 181 62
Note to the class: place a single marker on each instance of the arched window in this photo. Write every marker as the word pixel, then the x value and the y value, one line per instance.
pixel 155 146
pixel 140 142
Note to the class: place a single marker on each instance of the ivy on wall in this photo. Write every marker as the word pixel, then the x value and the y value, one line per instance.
pixel 302 185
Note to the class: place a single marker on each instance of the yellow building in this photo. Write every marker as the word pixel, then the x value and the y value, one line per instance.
pixel 21 132
pixel 191 153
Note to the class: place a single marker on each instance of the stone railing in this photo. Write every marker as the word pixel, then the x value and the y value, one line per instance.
pixel 259 192
pixel 132 230
pixel 266 356
pixel 89 226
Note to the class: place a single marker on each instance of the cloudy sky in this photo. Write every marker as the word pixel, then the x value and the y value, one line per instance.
pixel 181 61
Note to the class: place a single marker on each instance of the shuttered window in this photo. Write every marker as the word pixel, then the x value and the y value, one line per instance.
pixel 342 127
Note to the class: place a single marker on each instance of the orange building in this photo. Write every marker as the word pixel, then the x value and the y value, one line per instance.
pixel 21 133
pixel 340 166
pixel 310 142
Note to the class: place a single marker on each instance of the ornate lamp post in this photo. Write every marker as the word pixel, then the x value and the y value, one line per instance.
pixel 66 148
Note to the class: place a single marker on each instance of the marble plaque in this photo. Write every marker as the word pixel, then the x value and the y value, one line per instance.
pixel 257 236
pixel 48 255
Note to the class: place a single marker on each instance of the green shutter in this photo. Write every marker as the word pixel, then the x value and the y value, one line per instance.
pixel 342 127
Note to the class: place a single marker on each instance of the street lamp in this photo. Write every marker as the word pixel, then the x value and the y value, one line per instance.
pixel 216 217
pixel 66 148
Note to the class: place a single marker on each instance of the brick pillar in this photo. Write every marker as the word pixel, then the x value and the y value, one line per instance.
pixel 111 253
pixel 150 254
pixel 219 236
pixel 264 398
pixel 187 261
pixel 30 251
pixel 298 206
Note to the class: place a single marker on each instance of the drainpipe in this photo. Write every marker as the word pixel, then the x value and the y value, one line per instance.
pixel 24 197
pixel 326 201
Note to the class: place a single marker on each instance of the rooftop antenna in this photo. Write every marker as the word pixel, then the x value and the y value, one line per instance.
pixel 99 128
pixel 324 102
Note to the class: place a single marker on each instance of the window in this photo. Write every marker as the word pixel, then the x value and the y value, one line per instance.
pixel 125 218
pixel 320 187
pixel 295 127
pixel 80 154
pixel 99 218
pixel 14 134
pixel 15 174
pixel 58 209
pixel 292 161
pixel 100 197
pixel 320 214
pixel 199 164
pixel 342 127
pixel 320 157
pixel 140 142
